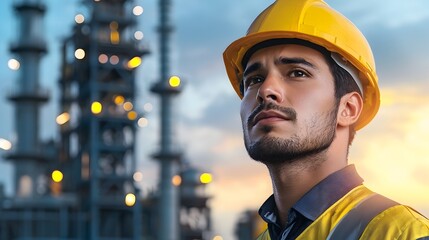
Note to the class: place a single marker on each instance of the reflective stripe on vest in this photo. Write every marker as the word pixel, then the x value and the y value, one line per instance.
pixel 354 223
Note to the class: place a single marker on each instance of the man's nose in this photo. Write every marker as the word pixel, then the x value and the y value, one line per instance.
pixel 270 90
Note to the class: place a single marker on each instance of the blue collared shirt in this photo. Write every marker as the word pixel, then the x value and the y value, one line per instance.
pixel 311 205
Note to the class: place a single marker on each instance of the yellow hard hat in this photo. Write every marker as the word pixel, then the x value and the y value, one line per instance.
pixel 316 22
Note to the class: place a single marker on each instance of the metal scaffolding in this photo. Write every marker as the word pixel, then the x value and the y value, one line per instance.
pixel 98 145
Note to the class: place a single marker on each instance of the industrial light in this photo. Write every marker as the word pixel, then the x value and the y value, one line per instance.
pixel 130 199
pixel 13 64
pixel 103 58
pixel 138 176
pixel 57 176
pixel 79 19
pixel 142 122
pixel 174 81
pixel 118 99
pixel 176 180
pixel 114 59
pixel 128 106
pixel 114 34
pixel 134 62
pixel 138 35
pixel 63 118
pixel 138 10
pixel 96 107
pixel 5 144
pixel 79 53
pixel 206 178
pixel 132 115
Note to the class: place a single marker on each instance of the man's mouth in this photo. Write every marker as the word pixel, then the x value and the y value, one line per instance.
pixel 269 116
pixel 270 113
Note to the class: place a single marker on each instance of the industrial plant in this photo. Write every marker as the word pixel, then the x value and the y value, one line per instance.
pixel 83 184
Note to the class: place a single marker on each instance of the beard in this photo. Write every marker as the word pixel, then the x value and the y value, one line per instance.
pixel 314 139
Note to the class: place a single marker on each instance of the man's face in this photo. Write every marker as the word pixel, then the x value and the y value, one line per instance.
pixel 289 110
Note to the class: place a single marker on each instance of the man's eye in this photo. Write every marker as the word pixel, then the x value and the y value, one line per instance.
pixel 298 73
pixel 252 80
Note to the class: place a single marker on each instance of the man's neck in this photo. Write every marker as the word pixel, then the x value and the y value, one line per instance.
pixel 292 180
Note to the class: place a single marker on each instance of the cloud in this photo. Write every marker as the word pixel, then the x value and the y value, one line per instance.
pixel 392 13
pixel 392 151
pixel 395 32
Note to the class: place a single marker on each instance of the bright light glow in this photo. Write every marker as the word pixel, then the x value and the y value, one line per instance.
pixel 206 178
pixel 114 59
pixel 96 107
pixel 142 122
pixel 134 62
pixel 13 64
pixel 174 81
pixel 176 180
pixel 138 35
pixel 138 176
pixel 103 58
pixel 138 10
pixel 114 37
pixel 118 99
pixel 148 107
pixel 132 115
pixel 57 176
pixel 63 118
pixel 128 106
pixel 130 199
pixel 5 144
pixel 79 53
pixel 79 19
pixel 218 238
pixel 114 34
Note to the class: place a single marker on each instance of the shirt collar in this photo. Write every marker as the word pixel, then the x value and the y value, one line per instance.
pixel 327 192
pixel 319 198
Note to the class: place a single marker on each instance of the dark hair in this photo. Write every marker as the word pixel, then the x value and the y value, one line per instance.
pixel 344 82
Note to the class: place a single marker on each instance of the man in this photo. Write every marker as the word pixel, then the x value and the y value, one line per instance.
pixel 307 79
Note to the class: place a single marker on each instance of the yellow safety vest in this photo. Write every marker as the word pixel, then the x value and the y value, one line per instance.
pixel 399 222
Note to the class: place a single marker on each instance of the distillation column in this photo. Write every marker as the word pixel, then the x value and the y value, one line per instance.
pixel 28 97
pixel 168 155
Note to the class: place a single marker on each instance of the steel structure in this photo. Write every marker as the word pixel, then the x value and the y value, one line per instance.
pixel 195 213
pixel 94 196
pixel 98 142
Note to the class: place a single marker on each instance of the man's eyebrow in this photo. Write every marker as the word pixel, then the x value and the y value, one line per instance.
pixel 253 67
pixel 286 60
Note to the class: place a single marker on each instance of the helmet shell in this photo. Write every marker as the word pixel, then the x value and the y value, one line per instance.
pixel 314 21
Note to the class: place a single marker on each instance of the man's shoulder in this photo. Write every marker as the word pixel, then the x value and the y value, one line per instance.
pixel 397 222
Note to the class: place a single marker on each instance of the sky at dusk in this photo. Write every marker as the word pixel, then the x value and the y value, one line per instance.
pixel 391 153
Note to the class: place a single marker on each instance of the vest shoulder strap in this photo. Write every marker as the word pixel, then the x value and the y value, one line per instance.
pixel 352 225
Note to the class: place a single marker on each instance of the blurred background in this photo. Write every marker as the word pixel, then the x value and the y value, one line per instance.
pixel 113 108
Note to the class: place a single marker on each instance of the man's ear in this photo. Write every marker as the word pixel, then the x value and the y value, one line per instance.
pixel 349 109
